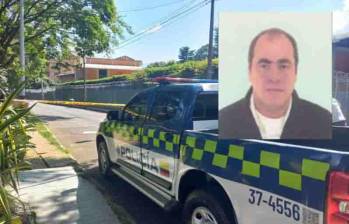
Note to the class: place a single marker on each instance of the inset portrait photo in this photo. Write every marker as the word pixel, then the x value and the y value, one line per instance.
pixel 275 76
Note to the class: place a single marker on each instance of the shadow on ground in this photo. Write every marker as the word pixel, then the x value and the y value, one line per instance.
pixel 60 196
pixel 129 205
pixel 53 118
pixel 83 141
pixel 138 207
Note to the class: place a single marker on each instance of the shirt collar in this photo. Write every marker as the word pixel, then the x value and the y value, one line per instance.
pixel 258 116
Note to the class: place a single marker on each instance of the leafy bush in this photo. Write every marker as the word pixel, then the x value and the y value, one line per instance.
pixel 36 83
pixel 14 142
pixel 188 69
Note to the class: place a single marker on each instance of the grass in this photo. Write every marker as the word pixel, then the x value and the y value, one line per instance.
pixel 45 132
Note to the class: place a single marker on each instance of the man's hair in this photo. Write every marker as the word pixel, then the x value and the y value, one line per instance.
pixel 272 32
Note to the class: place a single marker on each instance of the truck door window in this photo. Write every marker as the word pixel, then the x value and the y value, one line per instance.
pixel 167 106
pixel 136 109
pixel 206 107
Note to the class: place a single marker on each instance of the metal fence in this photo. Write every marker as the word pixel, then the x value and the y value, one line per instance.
pixel 114 92
pixel 122 92
pixel 340 90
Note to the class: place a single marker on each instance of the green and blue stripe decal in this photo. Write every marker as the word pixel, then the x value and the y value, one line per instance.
pixel 293 172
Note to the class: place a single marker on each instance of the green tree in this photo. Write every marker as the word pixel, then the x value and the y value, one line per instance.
pixel 201 53
pixel 161 63
pixel 53 28
pixel 185 54
pixel 156 64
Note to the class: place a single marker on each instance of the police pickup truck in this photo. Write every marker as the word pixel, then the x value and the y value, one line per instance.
pixel 164 142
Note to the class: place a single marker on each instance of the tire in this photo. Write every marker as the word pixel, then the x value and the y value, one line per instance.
pixel 201 206
pixel 103 159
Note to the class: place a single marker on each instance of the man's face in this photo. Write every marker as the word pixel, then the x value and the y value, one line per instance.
pixel 272 72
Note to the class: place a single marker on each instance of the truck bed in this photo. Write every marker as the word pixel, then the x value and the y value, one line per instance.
pixel 339 141
pixel 252 162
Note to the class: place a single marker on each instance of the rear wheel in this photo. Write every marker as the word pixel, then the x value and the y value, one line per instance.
pixel 103 159
pixel 202 208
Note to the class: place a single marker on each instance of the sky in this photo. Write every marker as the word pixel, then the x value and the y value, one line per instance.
pixel 162 43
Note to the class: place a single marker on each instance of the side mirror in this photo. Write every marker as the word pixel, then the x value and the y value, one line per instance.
pixel 113 115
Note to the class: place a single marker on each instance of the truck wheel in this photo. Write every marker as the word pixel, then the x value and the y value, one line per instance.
pixel 103 159
pixel 202 208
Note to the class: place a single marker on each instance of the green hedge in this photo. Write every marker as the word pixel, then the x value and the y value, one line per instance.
pixel 189 69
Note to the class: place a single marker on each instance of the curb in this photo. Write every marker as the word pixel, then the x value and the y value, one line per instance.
pixel 99 107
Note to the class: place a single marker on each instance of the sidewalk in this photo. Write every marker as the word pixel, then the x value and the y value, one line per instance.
pixel 58 194
pixel 46 155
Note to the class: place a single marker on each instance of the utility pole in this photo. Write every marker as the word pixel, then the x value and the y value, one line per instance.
pixel 210 43
pixel 84 73
pixel 21 42
pixel 42 90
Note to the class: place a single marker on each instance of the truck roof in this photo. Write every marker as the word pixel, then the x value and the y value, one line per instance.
pixel 203 86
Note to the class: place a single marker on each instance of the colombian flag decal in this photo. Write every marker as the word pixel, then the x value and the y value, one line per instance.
pixel 164 168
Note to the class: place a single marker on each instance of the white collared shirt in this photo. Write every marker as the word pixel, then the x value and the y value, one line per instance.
pixel 269 128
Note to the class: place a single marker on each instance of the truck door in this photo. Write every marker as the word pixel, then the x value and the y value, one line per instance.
pixel 160 137
pixel 127 132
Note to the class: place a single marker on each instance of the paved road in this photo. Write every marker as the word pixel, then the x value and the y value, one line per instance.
pixel 76 130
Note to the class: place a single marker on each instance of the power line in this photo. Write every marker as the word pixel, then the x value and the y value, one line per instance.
pixel 162 24
pixel 154 26
pixel 191 3
pixel 199 5
pixel 160 21
pixel 149 8
pixel 169 20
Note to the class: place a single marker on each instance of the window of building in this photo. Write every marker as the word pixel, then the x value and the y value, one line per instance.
pixel 102 73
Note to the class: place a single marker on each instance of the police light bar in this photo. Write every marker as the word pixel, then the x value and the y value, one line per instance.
pixel 168 80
